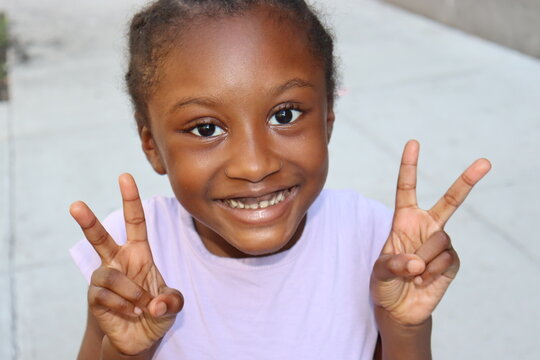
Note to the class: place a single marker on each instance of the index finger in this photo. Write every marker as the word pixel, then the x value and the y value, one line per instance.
pixel 94 232
pixel 456 194
pixel 133 210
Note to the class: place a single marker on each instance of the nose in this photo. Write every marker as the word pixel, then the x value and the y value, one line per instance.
pixel 253 158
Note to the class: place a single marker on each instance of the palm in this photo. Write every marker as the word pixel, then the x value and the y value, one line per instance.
pixel 131 334
pixel 410 299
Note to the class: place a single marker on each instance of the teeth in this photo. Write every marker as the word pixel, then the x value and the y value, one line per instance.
pixel 276 199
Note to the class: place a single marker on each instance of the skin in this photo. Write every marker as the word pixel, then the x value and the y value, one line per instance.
pixel 237 75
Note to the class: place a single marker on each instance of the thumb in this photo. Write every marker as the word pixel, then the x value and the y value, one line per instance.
pixel 169 302
pixel 390 266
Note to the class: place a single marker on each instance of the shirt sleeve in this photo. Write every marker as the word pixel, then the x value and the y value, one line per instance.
pixel 84 255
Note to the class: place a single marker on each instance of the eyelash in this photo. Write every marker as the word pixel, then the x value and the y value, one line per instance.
pixel 197 127
pixel 288 106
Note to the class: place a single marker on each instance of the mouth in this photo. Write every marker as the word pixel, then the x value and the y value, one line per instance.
pixel 259 202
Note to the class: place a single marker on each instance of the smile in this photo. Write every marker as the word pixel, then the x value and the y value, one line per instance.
pixel 261 202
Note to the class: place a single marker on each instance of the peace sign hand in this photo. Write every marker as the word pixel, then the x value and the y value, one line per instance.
pixel 417 262
pixel 127 294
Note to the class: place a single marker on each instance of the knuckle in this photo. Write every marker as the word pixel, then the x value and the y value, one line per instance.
pixel 109 277
pixel 406 186
pixel 451 200
pixel 457 261
pixel 380 262
pixel 90 225
pixel 431 270
pixel 97 276
pixel 467 180
pixel 135 220
pixel 435 215
pixel 454 256
pixel 123 306
pixel 99 296
pixel 91 295
pixel 447 259
pixel 440 264
pixel 444 239
pixel 396 265
pixel 100 239
pixel 138 296
pixel 179 299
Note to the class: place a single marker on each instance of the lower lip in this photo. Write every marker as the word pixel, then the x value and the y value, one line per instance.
pixel 261 216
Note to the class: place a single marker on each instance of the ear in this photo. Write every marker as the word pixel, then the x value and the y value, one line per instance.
pixel 151 150
pixel 330 118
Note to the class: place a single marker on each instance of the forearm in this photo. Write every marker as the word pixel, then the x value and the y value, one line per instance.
pixel 109 352
pixel 401 342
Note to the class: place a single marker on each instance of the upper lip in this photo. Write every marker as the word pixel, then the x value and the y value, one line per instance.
pixel 254 193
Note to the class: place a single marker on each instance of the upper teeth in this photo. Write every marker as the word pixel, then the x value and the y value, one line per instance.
pixel 246 204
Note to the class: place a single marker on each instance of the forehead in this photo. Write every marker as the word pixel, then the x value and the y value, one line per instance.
pixel 256 50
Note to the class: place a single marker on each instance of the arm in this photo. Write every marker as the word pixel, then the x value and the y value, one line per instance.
pixel 403 342
pixel 93 336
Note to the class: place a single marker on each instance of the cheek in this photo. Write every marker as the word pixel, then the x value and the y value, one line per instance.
pixel 190 173
pixel 311 152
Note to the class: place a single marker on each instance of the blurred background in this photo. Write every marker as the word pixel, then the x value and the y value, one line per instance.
pixel 460 76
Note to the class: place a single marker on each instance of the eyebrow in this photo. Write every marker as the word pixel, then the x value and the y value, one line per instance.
pixel 291 84
pixel 204 101
pixel 212 101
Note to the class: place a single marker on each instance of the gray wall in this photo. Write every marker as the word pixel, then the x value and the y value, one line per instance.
pixel 512 23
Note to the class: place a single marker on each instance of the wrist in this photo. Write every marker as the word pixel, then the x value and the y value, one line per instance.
pixel 111 352
pixel 403 341
pixel 384 318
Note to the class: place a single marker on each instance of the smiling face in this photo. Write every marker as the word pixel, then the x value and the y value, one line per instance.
pixel 240 123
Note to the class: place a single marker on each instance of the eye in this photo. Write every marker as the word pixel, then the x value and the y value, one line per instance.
pixel 207 130
pixel 285 116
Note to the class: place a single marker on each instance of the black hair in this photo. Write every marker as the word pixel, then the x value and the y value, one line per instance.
pixel 154 30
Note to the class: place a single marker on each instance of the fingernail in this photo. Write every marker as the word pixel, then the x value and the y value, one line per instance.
pixel 418 280
pixel 414 266
pixel 137 310
pixel 161 309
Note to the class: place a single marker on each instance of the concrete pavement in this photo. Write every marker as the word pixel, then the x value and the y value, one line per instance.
pixel 67 133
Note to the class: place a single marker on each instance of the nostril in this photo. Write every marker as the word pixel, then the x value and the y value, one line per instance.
pixel 253 171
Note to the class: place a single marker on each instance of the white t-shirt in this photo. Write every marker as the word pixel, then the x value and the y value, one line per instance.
pixel 309 302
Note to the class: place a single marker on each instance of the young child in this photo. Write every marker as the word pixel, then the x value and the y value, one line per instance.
pixel 234 103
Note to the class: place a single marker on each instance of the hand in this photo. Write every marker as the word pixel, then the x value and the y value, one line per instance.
pixel 127 294
pixel 417 262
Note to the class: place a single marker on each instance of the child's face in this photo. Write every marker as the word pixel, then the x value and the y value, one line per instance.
pixel 240 118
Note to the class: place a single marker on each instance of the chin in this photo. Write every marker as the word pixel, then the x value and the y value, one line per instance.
pixel 257 245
